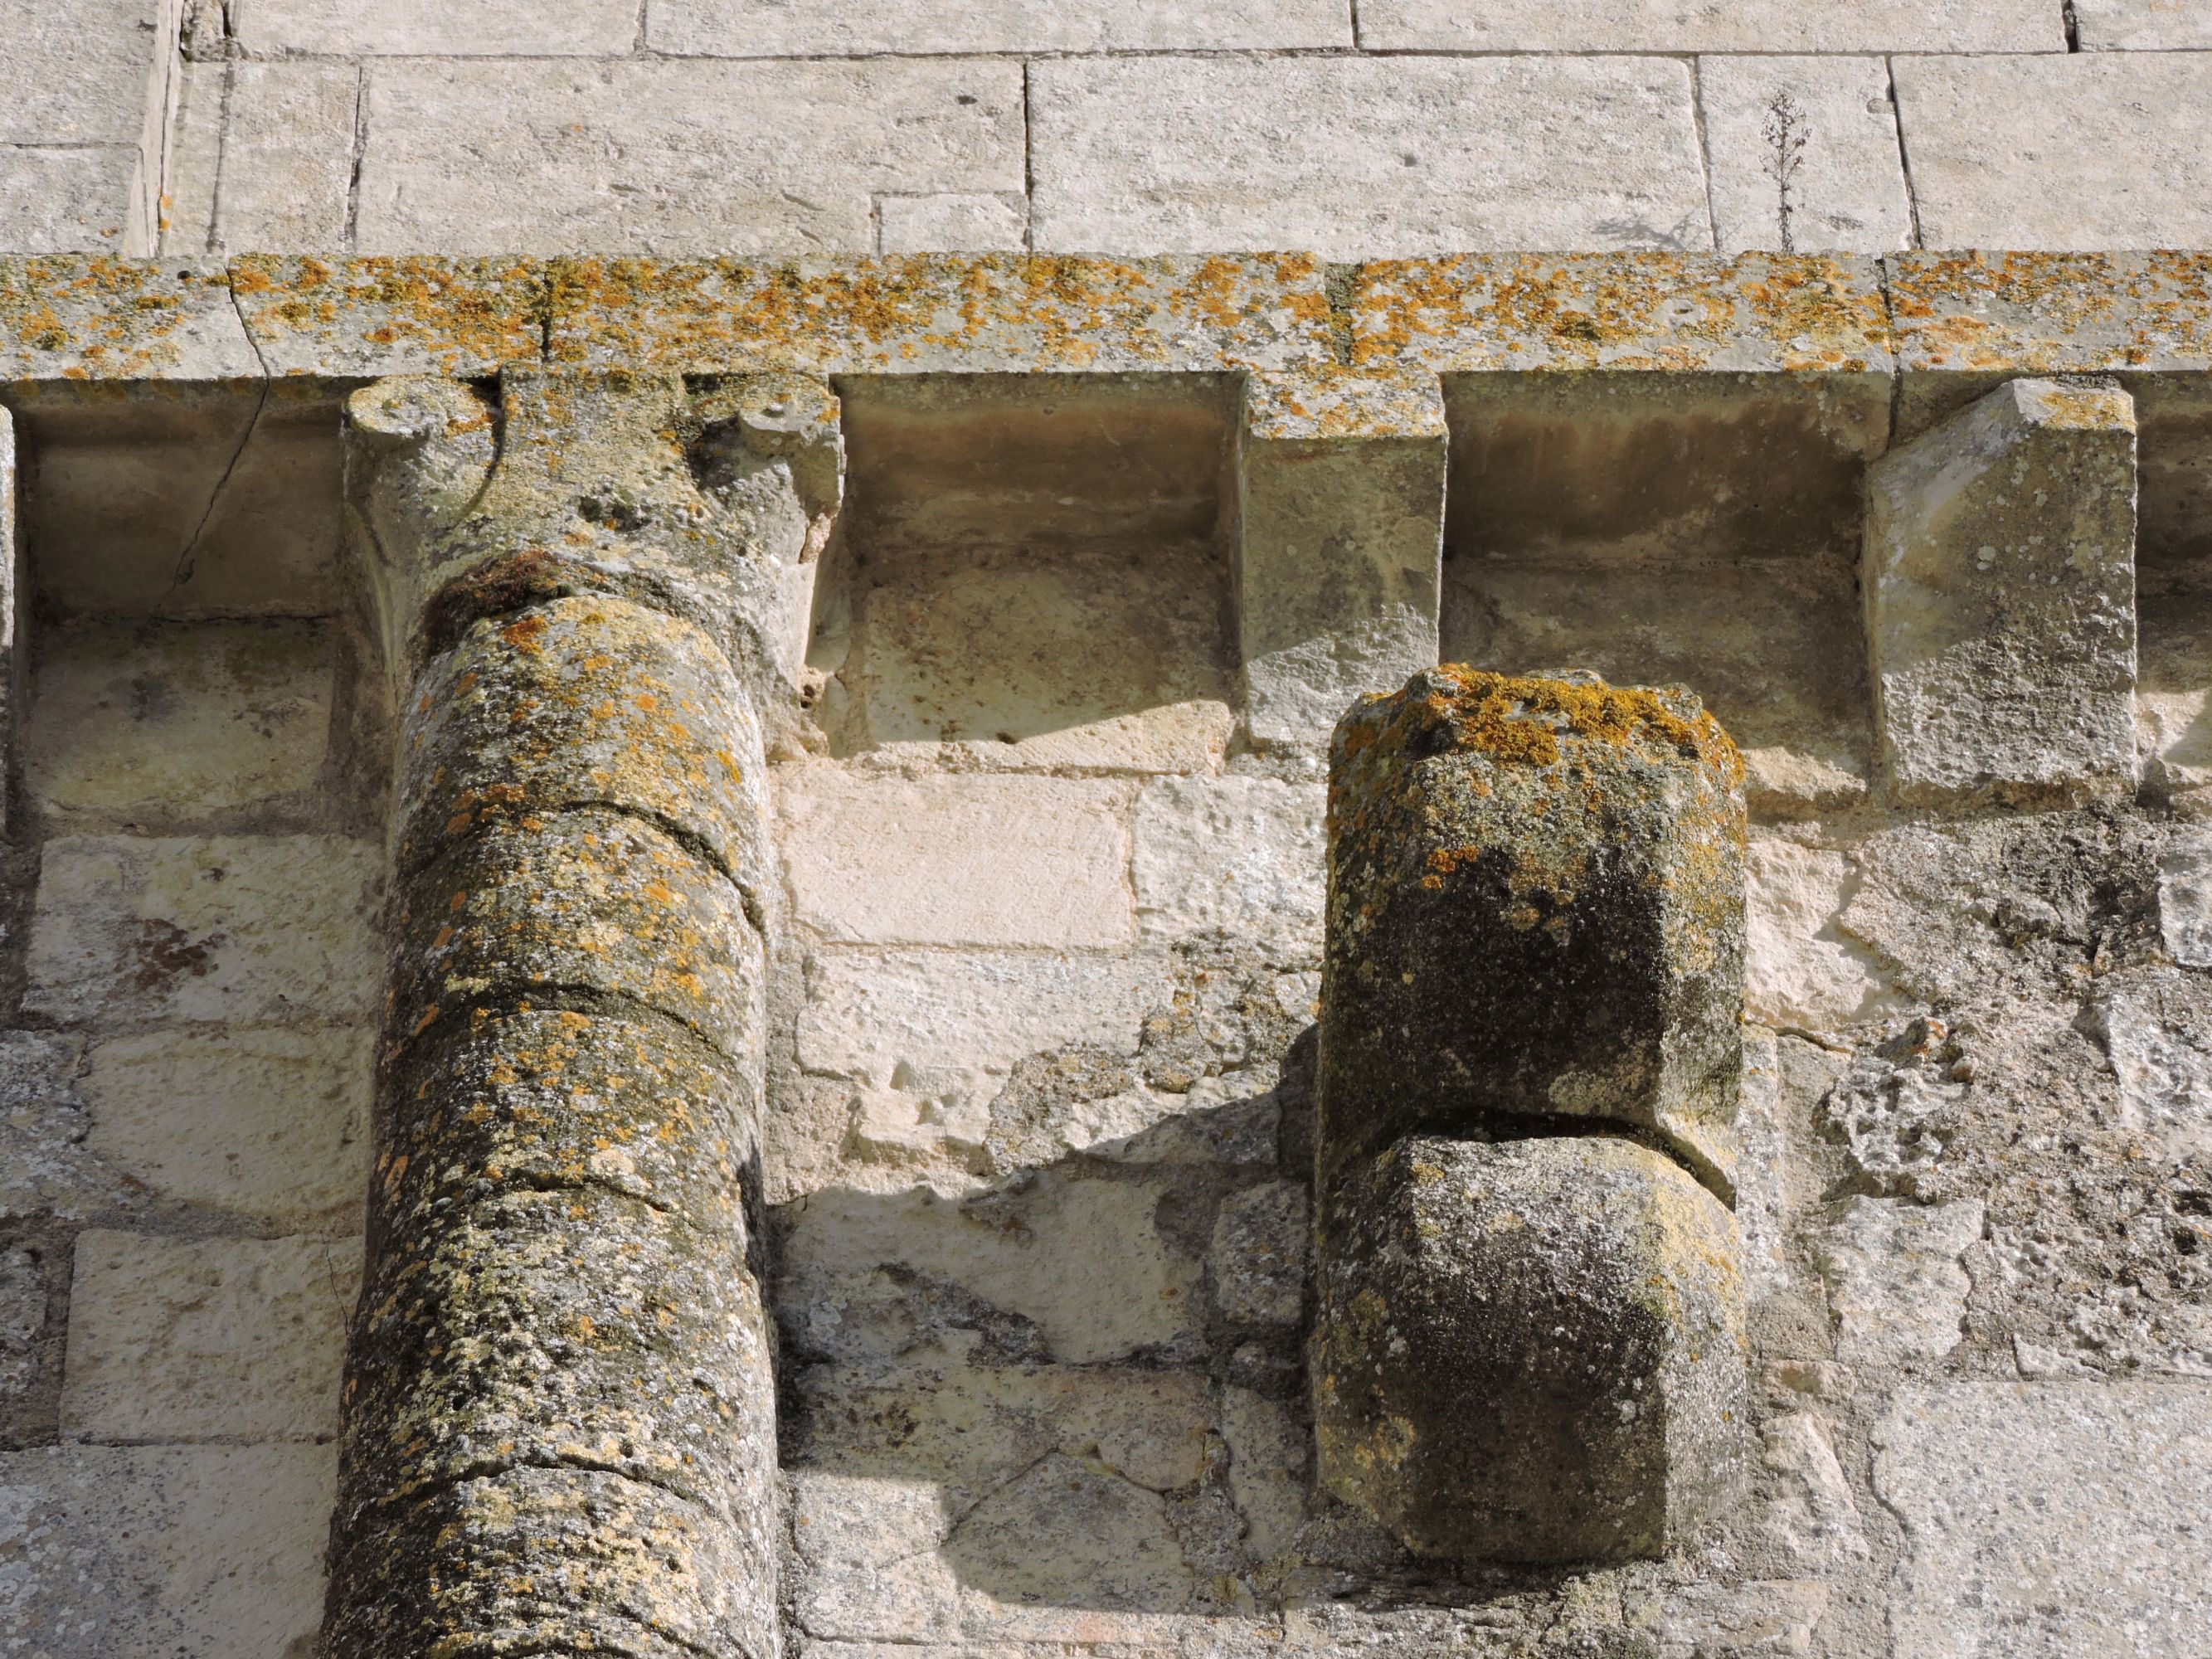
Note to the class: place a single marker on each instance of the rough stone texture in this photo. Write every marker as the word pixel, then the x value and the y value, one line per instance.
pixel 1804 155
pixel 819 141
pixel 1340 504
pixel 2141 26
pixel 153 1347
pixel 2185 897
pixel 1531 1351
pixel 1259 1242
pixel 960 861
pixel 1896 1291
pixel 424 28
pixel 78 70
pixel 1999 577
pixel 1536 912
pixel 287 178
pixel 66 200
pixel 749 28
pixel 1234 856
pixel 1803 969
pixel 1167 154
pixel 149 1551
pixel 1993 142
pixel 951 219
pixel 2051 1519
pixel 1766 26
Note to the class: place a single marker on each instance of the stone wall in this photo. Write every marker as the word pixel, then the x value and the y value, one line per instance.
pixel 673 126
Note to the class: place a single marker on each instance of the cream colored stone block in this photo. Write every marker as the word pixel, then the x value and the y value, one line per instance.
pixel 1359 157
pixel 958 860
pixel 1757 26
pixel 134 724
pixel 187 209
pixel 270 1122
pixel 1261 1241
pixel 878 1014
pixel 288 158
pixel 1803 969
pixel 2073 151
pixel 2143 25
pixel 1896 1289
pixel 520 28
pixel 77 70
pixel 67 200
pixel 164 1552
pixel 1234 856
pixel 951 221
pixel 649 156
pixel 749 28
pixel 251 930
pixel 1804 155
pixel 211 1339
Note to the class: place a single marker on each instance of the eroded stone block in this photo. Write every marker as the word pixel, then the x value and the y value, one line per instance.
pixel 524 28
pixel 1234 856
pixel 1532 1350
pixel 748 28
pixel 1999 580
pixel 1804 154
pixel 1761 25
pixel 1896 1291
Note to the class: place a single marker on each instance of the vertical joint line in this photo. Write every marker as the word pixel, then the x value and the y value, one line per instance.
pixel 360 156
pixel 2072 20
pixel 1704 150
pixel 1029 162
pixel 1903 152
pixel 213 241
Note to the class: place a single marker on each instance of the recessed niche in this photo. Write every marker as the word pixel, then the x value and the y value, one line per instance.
pixel 1031 572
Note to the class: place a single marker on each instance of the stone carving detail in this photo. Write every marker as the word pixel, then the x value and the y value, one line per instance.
pixel 559 1416
pixel 1530 1340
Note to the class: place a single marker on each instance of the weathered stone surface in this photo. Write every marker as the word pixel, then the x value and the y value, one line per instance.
pixel 2162 1056
pixel 1238 857
pixel 80 317
pixel 1259 1258
pixel 1067 1528
pixel 1268 1452
pixel 1803 969
pixel 2141 26
pixel 947 220
pixel 2185 896
pixel 1764 25
pixel 1999 576
pixel 154 725
pixel 2049 1519
pixel 1896 1291
pixel 1341 496
pixel 1994 142
pixel 1804 154
pixel 1186 154
pixel 216 1339
pixel 521 28
pixel 1765 1617
pixel 958 860
pixel 286 177
pixel 271 1123
pixel 148 1552
pixel 67 200
pixel 1535 912
pixel 250 930
pixel 1809 1514
pixel 78 70
pixel 1532 1350
pixel 819 141
pixel 750 28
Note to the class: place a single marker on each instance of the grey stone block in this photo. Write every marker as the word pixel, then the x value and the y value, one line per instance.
pixel 430 28
pixel 2143 25
pixel 1999 581
pixel 1804 155
pixel 287 170
pixel 1362 157
pixel 750 28
pixel 1530 1351
pixel 1232 857
pixel 68 200
pixel 79 71
pixel 1761 25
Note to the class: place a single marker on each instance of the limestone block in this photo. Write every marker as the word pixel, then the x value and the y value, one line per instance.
pixel 196 135
pixel 164 1552
pixel 1753 1620
pixel 1236 857
pixel 1993 142
pixel 1896 1292
pixel 2048 1520
pixel 1268 1450
pixel 1349 156
pixel 1535 910
pixel 2161 1057
pixel 519 28
pixel 211 1339
pixel 1804 969
pixel 869 1013
pixel 140 724
pixel 749 28
pixel 78 70
pixel 271 1122
pixel 1804 154
pixel 248 930
pixel 952 220
pixel 867 1563
pixel 2143 25
pixel 1341 497
pixel 1810 1514
pixel 636 155
pixel 1531 1350
pixel 1067 1529
pixel 1259 1258
pixel 67 200
pixel 287 157
pixel 974 860
pixel 1762 25
pixel 1999 579
pixel 2185 896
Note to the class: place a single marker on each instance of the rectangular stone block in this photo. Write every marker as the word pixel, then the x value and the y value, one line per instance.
pixel 250 930
pixel 139 725
pixel 1356 158
pixel 187 217
pixel 1999 581
pixel 1804 155
pixel 958 860
pixel 1760 26
pixel 781 28
pixel 2047 1521
pixel 642 156
pixel 1233 857
pixel 287 171
pixel 2001 150
pixel 2142 25
pixel 78 70
pixel 1341 509
pixel 428 28
pixel 68 201
pixel 165 1551
pixel 209 1339
pixel 869 1014
pixel 268 1123
pixel 951 221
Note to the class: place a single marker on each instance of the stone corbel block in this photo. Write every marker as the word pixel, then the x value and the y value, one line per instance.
pixel 1999 581
pixel 1530 1343
pixel 1340 493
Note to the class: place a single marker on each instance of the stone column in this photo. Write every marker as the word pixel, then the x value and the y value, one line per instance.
pixel 1530 1339
pixel 559 1410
